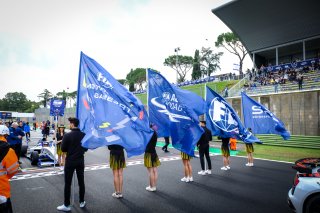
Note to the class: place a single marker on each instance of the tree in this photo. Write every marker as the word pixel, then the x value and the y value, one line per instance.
pixel 209 61
pixel 232 44
pixel 181 64
pixel 46 95
pixel 137 76
pixel 196 71
pixel 15 101
pixel 122 81
pixel 63 95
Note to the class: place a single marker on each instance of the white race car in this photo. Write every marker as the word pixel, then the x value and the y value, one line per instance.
pixel 304 196
pixel 42 154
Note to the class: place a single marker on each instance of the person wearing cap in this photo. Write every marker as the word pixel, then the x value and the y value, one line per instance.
pixel 59 137
pixel 203 145
pixel 71 144
pixel 15 139
pixel 8 167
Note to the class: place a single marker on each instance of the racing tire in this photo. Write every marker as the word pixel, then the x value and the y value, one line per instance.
pixel 34 157
pixel 24 149
pixel 313 204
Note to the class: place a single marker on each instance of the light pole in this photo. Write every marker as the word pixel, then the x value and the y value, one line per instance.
pixel 176 50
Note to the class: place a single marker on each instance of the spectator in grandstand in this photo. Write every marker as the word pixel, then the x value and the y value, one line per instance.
pixel 300 80
pixel 276 85
pixel 226 91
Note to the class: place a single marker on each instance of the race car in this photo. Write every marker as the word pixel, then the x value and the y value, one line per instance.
pixel 42 154
pixel 304 196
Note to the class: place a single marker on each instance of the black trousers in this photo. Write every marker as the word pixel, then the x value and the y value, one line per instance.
pixel 165 147
pixel 6 207
pixel 17 149
pixel 204 151
pixel 69 169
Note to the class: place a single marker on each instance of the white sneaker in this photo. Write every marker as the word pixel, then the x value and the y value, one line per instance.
pixel 190 179
pixel 208 172
pixel 224 168
pixel 202 172
pixel 117 195
pixel 83 204
pixel 151 189
pixel 251 164
pixel 64 208
pixel 248 164
pixel 228 167
pixel 184 179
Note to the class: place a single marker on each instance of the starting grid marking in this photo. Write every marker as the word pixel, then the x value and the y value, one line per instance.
pixel 37 174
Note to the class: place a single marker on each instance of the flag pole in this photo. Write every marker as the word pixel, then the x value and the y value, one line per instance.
pixel 147 80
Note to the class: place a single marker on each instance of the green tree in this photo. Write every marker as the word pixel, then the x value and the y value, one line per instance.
pixel 62 95
pixel 196 71
pixel 122 81
pixel 232 44
pixel 15 101
pixel 181 64
pixel 46 95
pixel 209 61
pixel 137 76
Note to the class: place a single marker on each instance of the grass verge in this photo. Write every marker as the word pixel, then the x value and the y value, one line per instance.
pixel 280 153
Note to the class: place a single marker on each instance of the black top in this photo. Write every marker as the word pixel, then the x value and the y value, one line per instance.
pixel 205 137
pixel 71 144
pixel 225 142
pixel 115 147
pixel 59 136
pixel 151 147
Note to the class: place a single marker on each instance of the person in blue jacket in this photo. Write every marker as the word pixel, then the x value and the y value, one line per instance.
pixel 27 131
pixel 15 139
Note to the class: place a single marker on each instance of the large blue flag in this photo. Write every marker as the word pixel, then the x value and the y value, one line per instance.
pixel 174 112
pixel 260 119
pixel 224 121
pixel 108 112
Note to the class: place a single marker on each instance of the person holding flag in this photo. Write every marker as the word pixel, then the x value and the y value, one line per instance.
pixel 176 114
pixel 117 164
pixel 151 161
pixel 187 167
pixel 249 150
pixel 225 153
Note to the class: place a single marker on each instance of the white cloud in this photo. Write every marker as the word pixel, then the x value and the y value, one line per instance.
pixel 43 39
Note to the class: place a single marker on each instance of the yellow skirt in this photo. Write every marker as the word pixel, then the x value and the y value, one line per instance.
pixel 185 156
pixel 249 148
pixel 59 151
pixel 151 160
pixel 117 161
pixel 225 151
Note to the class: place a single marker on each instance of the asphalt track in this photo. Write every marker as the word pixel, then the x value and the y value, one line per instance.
pixel 262 188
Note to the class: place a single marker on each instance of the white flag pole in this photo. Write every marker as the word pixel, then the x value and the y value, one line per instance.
pixel 147 80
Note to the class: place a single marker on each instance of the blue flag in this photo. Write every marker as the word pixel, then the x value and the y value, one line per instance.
pixel 224 121
pixel 175 112
pixel 57 107
pixel 260 119
pixel 108 112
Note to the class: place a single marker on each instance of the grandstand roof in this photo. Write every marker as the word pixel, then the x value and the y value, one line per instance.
pixel 262 24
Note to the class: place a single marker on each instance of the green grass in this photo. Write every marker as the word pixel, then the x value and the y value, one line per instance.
pixel 289 154
pixel 198 88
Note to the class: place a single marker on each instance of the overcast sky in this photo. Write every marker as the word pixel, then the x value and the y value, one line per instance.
pixel 41 40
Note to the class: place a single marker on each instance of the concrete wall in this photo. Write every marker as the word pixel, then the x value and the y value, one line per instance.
pixel 299 111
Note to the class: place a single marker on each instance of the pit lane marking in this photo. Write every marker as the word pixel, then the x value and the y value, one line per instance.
pixel 56 171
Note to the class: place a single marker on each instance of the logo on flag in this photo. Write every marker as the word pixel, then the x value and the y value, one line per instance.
pixel 57 107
